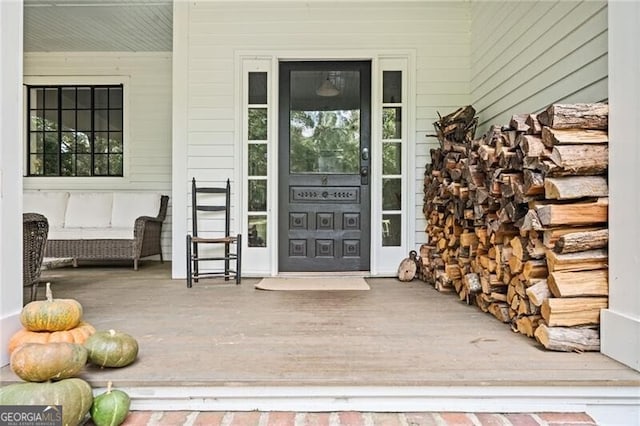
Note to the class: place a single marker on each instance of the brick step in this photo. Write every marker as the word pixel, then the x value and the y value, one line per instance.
pixel 350 418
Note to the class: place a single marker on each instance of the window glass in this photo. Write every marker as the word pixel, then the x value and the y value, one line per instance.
pixel 257 88
pixel 51 98
pixel 257 131
pixel 75 131
pixel 392 123
pixel 257 195
pixel 68 98
pixel 391 158
pixel 392 87
pixel 391 230
pixel 391 194
pixel 257 231
pixel 258 124
pixel 258 159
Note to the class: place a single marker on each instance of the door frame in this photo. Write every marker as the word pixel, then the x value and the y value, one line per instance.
pixel 383 260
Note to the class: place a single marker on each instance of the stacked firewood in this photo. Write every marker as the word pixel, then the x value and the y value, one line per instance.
pixel 446 197
pixel 573 218
pixel 519 216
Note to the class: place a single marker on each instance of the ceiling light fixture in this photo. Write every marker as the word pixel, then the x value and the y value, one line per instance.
pixel 327 88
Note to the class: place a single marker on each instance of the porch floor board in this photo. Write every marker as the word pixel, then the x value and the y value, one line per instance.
pixel 396 334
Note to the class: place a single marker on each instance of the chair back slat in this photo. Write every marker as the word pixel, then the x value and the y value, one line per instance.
pixel 200 205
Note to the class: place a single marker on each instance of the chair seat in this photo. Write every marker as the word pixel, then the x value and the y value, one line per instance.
pixel 205 240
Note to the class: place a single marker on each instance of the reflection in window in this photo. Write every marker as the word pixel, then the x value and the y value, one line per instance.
pixel 391 123
pixel 257 231
pixel 257 159
pixel 392 87
pixel 75 131
pixel 257 195
pixel 391 158
pixel 257 88
pixel 391 230
pixel 391 194
pixel 258 124
pixel 325 141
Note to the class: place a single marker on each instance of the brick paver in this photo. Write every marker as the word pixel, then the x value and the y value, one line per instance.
pixel 352 418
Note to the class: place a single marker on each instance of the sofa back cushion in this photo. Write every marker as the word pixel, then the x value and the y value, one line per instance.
pixel 128 206
pixel 89 210
pixel 52 205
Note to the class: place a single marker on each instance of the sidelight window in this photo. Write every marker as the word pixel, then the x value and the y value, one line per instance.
pixel 257 131
pixel 392 144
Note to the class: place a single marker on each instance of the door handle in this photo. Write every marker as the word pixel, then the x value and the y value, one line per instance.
pixel 365 154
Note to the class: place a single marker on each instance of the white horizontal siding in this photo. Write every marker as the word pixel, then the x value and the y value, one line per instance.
pixel 527 55
pixel 148 119
pixel 438 32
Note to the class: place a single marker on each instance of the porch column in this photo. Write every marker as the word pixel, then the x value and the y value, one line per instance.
pixel 10 171
pixel 620 324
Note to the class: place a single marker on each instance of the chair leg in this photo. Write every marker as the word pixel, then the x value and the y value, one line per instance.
pixel 135 264
pixel 226 261
pixel 239 259
pixel 34 291
pixel 189 276
pixel 195 261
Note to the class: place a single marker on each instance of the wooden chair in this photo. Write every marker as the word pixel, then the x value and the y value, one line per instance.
pixel 208 202
pixel 35 229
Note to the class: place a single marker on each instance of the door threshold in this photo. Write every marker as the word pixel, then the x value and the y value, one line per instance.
pixel 363 274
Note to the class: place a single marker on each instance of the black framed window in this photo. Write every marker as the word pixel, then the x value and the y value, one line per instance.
pixel 75 130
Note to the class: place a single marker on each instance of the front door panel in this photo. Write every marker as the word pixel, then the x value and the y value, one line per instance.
pixel 324 166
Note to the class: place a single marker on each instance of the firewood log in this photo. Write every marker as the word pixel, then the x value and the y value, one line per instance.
pixel 552 137
pixel 576 339
pixel 580 261
pixel 573 187
pixel 580 116
pixel 579 283
pixel 581 241
pixel 578 160
pixel 582 213
pixel 568 312
pixel 539 292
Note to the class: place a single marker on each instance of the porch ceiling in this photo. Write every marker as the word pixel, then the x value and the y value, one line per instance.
pixel 98 25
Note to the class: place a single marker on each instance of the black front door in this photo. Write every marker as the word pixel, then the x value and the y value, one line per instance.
pixel 324 166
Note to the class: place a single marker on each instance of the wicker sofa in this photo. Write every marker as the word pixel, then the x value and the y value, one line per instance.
pixel 100 225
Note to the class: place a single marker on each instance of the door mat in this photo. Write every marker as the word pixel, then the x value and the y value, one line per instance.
pixel 312 283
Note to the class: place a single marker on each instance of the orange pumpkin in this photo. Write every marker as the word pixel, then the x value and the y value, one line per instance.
pixel 51 314
pixel 77 334
pixel 38 362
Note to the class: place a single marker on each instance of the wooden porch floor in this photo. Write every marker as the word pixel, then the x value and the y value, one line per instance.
pixel 396 334
pixel 397 348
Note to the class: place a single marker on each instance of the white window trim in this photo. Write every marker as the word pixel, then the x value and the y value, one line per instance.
pixel 260 258
pixel 384 260
pixel 62 182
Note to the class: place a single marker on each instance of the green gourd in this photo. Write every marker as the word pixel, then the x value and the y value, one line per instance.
pixel 111 348
pixel 110 408
pixel 74 395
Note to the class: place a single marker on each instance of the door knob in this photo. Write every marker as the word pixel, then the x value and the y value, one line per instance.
pixel 365 154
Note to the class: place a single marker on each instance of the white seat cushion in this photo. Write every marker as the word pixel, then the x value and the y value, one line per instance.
pixel 128 206
pixel 51 205
pixel 91 233
pixel 89 210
